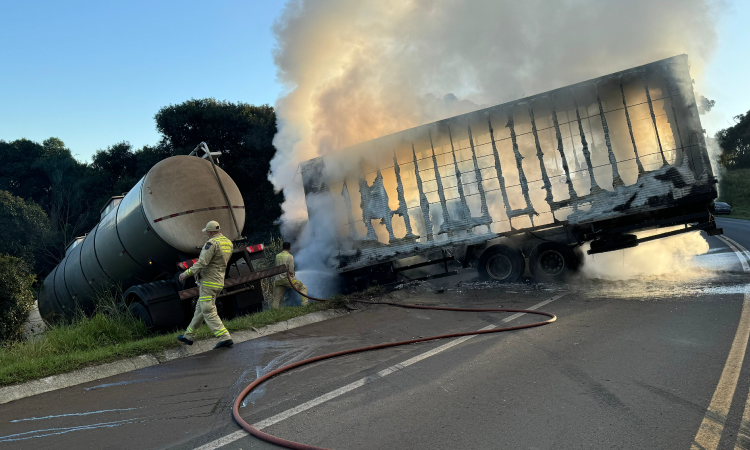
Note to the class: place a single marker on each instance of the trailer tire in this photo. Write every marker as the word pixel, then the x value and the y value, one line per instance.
pixel 501 263
pixel 552 262
pixel 140 311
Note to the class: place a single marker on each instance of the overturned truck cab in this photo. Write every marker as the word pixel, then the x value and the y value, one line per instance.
pixel 532 179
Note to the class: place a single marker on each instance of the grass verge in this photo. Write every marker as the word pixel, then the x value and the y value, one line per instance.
pixel 734 188
pixel 107 336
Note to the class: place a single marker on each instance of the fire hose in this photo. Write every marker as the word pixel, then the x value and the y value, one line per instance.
pixel 299 446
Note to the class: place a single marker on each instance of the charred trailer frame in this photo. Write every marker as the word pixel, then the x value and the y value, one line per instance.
pixel 530 179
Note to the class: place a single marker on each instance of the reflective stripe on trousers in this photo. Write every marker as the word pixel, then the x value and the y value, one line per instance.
pixel 205 311
pixel 212 285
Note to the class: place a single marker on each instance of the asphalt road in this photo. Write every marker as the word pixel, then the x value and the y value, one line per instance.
pixel 630 364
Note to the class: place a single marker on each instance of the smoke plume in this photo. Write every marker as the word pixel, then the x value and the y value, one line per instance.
pixel 671 257
pixel 357 70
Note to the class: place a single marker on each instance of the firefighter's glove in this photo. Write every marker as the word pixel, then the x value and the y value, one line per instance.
pixel 183 276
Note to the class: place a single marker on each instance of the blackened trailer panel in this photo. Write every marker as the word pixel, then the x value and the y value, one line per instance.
pixel 623 144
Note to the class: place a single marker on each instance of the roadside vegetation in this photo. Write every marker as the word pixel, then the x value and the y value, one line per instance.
pixel 111 334
pixel 734 189
pixel 734 186
pixel 16 297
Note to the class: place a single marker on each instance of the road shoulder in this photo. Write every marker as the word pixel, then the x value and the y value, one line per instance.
pixel 97 372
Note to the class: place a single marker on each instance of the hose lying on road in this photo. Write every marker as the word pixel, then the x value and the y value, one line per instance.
pixel 296 445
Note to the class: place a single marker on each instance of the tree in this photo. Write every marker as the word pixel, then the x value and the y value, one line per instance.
pixel 244 134
pixel 116 169
pixel 63 197
pixel 148 156
pixel 23 228
pixel 16 297
pixel 67 200
pixel 43 173
pixel 116 163
pixel 20 173
pixel 735 143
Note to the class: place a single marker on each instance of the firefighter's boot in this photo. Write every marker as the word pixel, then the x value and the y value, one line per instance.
pixel 227 343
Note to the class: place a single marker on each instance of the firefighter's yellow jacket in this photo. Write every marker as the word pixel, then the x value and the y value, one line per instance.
pixel 211 266
pixel 285 259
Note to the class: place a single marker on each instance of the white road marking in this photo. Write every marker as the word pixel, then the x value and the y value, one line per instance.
pixel 729 241
pixel 228 439
pixel 743 436
pixel 712 426
pixel 225 440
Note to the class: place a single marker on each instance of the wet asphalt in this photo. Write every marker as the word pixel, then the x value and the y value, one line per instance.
pixel 630 364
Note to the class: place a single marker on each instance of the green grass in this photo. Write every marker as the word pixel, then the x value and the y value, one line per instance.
pixel 109 335
pixel 734 188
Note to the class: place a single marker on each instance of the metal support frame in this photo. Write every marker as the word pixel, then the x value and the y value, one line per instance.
pixel 439 275
pixel 709 227
pixel 232 282
pixel 444 260
pixel 703 216
pixel 207 153
pixel 425 264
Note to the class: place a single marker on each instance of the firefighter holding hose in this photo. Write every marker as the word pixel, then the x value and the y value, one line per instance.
pixel 281 283
pixel 209 272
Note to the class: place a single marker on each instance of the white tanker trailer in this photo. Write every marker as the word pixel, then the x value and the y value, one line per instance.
pixel 149 235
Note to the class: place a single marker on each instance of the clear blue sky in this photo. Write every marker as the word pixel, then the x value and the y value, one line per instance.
pixel 94 73
pixel 727 78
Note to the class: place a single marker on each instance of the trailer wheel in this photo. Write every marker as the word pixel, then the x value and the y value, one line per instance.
pixel 552 262
pixel 140 310
pixel 501 263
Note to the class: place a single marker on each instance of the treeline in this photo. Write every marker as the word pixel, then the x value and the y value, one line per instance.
pixel 735 144
pixel 47 197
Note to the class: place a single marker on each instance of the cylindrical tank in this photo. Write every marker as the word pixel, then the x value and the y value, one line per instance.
pixel 157 224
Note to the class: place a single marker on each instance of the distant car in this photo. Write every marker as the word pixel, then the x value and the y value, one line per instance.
pixel 722 208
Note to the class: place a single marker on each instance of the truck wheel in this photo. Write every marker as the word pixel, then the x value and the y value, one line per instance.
pixel 140 310
pixel 501 263
pixel 552 262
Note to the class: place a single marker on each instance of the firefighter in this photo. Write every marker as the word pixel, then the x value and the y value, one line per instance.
pixel 281 283
pixel 209 273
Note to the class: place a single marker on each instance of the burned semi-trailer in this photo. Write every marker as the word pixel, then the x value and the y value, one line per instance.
pixel 148 236
pixel 532 179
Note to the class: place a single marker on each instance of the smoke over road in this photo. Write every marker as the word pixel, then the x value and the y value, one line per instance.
pixel 672 258
pixel 355 71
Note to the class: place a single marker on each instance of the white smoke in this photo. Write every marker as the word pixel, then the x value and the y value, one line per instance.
pixel 357 70
pixel 316 242
pixel 714 153
pixel 673 257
